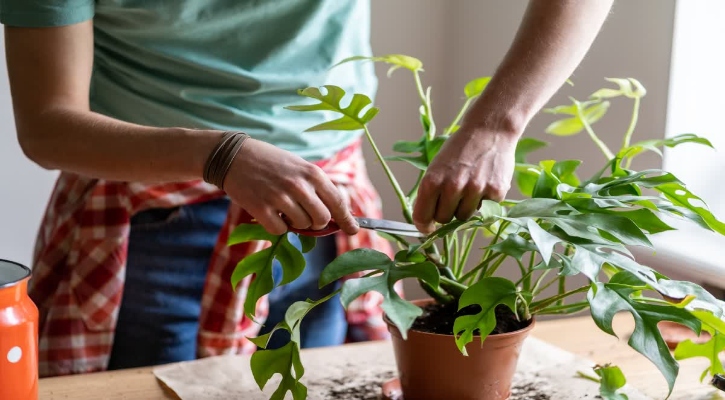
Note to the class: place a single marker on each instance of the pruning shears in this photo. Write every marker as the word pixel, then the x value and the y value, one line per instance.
pixel 380 225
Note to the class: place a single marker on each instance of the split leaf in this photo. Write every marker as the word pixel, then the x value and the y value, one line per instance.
pixel 354 117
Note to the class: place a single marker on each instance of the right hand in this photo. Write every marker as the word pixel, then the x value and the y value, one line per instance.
pixel 267 181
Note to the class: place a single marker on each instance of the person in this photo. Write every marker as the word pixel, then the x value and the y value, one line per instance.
pixel 135 102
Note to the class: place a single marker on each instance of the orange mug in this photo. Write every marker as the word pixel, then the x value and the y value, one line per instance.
pixel 18 334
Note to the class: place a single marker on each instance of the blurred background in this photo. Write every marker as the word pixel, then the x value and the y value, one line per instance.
pixel 669 46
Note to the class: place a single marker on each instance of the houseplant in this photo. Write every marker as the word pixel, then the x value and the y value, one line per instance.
pixel 566 226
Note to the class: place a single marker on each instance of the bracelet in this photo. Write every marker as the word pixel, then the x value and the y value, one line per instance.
pixel 220 159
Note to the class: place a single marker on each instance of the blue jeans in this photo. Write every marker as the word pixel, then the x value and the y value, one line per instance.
pixel 168 257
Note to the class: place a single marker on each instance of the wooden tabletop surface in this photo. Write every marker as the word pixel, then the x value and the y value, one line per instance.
pixel 578 335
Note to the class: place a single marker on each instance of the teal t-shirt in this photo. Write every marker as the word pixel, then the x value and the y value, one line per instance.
pixel 218 64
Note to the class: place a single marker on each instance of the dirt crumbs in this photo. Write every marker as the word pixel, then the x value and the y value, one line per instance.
pixel 525 387
pixel 352 387
pixel 439 318
pixel 530 387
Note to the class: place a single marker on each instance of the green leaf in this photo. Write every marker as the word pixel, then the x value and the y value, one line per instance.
pixel 527 145
pixel 526 176
pixel 265 364
pixel 418 161
pixel 351 119
pixel 611 381
pixel 407 146
pixel 574 125
pixel 487 293
pixel 679 195
pixel 514 246
pixel 545 186
pixel 539 208
pixel 566 171
pixel 712 349
pixel 654 144
pixel 308 242
pixel 250 232
pixel 432 147
pixel 476 86
pixel 402 313
pixel 628 87
pixel 260 265
pixel 544 240
pixel 490 210
pixel 594 226
pixel 396 60
pixel 607 299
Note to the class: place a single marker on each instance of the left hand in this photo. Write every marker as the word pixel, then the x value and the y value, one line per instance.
pixel 474 164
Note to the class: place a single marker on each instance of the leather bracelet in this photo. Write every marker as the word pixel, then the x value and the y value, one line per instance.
pixel 220 160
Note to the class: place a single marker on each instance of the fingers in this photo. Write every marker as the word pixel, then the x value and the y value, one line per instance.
pixel 426 204
pixel 333 200
pixel 271 221
pixel 293 211
pixel 451 194
pixel 469 204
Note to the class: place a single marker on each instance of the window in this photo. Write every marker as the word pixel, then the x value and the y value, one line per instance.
pixel 696 105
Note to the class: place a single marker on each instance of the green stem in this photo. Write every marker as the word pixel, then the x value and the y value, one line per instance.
pixel 426 105
pixel 447 250
pixel 539 280
pixel 562 289
pixel 494 267
pixel 456 256
pixel 564 309
pixel 453 288
pixel 436 294
pixel 407 212
pixel 458 118
pixel 468 247
pixel 478 267
pixel 632 123
pixel 602 146
pixel 540 305
pixel 547 285
pixel 527 281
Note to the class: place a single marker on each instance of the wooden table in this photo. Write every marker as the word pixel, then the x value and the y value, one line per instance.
pixel 578 335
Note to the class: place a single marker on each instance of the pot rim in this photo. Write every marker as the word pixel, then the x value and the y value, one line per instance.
pixel 27 274
pixel 418 302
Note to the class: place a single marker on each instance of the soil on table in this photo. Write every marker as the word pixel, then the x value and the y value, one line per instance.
pixel 439 318
pixel 525 387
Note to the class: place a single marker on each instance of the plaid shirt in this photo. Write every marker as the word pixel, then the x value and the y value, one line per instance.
pixel 80 257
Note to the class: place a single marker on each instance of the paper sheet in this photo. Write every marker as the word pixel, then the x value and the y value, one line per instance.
pixel 329 373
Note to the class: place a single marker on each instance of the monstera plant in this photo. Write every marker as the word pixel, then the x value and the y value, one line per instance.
pixel 565 226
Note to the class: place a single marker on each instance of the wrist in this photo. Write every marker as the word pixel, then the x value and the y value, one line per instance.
pixel 496 119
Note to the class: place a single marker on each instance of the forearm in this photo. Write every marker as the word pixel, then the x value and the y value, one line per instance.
pixel 97 146
pixel 552 40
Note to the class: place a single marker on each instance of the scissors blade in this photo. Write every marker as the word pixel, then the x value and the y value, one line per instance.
pixel 387 226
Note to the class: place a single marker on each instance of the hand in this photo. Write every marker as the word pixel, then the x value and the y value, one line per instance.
pixel 267 181
pixel 473 165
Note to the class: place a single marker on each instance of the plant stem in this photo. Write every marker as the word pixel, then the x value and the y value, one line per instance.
pixel 478 267
pixel 439 297
pixel 492 270
pixel 458 118
pixel 565 309
pixel 632 123
pixel 527 281
pixel 602 146
pixel 540 305
pixel 457 267
pixel 547 285
pixel 453 288
pixel 407 212
pixel 426 105
pixel 467 250
pixel 535 289
pixel 562 289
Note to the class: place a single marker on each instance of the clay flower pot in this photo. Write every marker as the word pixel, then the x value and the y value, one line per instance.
pixel 18 334
pixel 431 367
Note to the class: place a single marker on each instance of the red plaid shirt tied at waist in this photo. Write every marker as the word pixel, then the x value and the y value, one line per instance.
pixel 80 258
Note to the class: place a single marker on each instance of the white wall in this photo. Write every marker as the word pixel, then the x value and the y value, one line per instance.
pixel 24 187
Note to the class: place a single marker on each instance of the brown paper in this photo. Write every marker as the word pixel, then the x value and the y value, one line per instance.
pixel 331 372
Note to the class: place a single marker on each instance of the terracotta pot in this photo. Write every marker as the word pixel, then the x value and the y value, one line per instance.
pixel 18 334
pixel 430 366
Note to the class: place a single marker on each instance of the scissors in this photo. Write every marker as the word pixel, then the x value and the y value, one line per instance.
pixel 380 225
